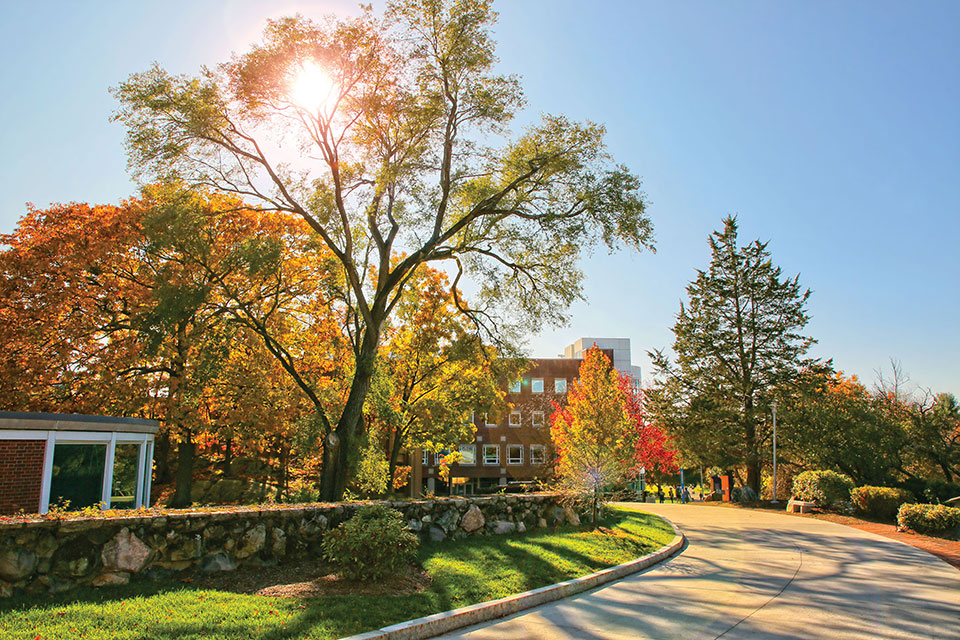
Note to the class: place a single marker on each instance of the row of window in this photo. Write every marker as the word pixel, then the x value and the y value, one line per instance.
pixel 516 419
pixel 491 454
pixel 536 385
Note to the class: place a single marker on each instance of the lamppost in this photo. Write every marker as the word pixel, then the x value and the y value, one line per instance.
pixel 773 406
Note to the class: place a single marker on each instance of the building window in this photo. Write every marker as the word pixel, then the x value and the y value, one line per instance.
pixel 538 454
pixel 536 385
pixel 491 455
pixel 469 453
pixel 514 454
pixel 515 386
pixel 560 385
pixel 439 456
pixel 486 420
pixel 537 418
pixel 515 419
pixel 425 460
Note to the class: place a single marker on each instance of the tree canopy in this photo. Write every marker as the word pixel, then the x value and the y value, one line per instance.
pixel 386 135
pixel 738 337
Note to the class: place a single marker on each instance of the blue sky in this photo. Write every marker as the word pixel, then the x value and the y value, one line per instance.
pixel 831 129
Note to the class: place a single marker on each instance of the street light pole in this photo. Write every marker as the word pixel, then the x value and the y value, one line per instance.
pixel 773 406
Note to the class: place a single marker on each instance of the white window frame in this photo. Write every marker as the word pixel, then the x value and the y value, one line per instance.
pixel 472 448
pixel 534 421
pixel 496 461
pixel 516 386
pixel 425 459
pixel 511 460
pixel 519 419
pixel 559 385
pixel 534 383
pixel 542 448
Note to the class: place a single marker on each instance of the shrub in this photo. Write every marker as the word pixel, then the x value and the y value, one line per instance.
pixel 372 544
pixel 825 488
pixel 744 494
pixel 930 518
pixel 879 502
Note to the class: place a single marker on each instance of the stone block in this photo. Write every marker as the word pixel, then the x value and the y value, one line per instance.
pixel 111 577
pixel 17 563
pixel 217 562
pixel 473 519
pixel 125 552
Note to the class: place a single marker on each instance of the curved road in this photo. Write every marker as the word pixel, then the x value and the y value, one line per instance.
pixel 752 574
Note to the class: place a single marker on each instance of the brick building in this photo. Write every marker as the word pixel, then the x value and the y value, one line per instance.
pixel 515 448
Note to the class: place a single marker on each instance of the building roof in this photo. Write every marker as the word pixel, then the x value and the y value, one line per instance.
pixel 22 420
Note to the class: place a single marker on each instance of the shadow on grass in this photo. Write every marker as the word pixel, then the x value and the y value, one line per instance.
pixel 463 572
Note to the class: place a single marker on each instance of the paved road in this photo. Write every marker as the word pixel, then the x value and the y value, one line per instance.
pixel 750 574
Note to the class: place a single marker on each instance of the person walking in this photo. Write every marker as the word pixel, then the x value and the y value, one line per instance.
pixel 660 494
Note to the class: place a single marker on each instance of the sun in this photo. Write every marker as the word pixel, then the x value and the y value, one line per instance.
pixel 311 87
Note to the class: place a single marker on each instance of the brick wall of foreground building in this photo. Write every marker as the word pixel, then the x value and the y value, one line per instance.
pixel 21 473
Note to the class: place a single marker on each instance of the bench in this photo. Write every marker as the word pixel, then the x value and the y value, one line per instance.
pixel 800 506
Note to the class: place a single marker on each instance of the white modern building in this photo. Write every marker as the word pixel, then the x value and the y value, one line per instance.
pixel 621 353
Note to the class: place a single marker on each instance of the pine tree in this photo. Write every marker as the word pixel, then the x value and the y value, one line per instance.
pixel 739 336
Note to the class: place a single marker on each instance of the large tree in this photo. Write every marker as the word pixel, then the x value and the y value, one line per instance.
pixel 393 121
pixel 738 337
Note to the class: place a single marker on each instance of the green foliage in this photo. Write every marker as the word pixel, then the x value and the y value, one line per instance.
pixel 934 519
pixel 831 421
pixel 825 488
pixel 879 502
pixel 931 491
pixel 740 334
pixel 373 544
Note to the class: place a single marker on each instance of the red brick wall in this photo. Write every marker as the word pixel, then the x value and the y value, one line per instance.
pixel 21 472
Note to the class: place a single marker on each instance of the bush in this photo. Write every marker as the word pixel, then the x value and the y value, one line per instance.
pixel 372 544
pixel 824 488
pixel 880 502
pixel 744 494
pixel 930 518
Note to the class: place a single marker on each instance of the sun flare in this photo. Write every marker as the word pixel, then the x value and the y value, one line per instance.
pixel 311 87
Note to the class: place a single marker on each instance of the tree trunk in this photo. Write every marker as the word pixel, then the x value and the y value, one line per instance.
pixel 185 452
pixel 753 452
pixel 161 455
pixel 339 444
pixel 395 446
pixel 227 456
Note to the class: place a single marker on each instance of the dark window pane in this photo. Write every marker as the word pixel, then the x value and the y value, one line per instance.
pixel 77 474
pixel 126 458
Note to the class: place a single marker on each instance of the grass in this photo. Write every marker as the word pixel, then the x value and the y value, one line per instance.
pixel 463 572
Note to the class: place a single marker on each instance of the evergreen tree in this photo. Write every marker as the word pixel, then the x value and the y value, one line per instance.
pixel 739 336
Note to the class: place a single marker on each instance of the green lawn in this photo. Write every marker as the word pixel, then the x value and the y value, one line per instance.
pixel 463 572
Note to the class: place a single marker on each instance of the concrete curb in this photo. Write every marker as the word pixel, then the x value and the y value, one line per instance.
pixel 438 623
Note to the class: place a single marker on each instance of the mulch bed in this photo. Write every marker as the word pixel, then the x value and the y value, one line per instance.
pixel 307 579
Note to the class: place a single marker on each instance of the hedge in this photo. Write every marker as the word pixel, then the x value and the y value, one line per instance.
pixel 880 502
pixel 825 488
pixel 930 518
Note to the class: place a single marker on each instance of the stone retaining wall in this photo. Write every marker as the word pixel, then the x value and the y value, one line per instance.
pixel 55 555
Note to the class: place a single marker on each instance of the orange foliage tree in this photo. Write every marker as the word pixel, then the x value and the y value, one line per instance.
pixel 601 436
